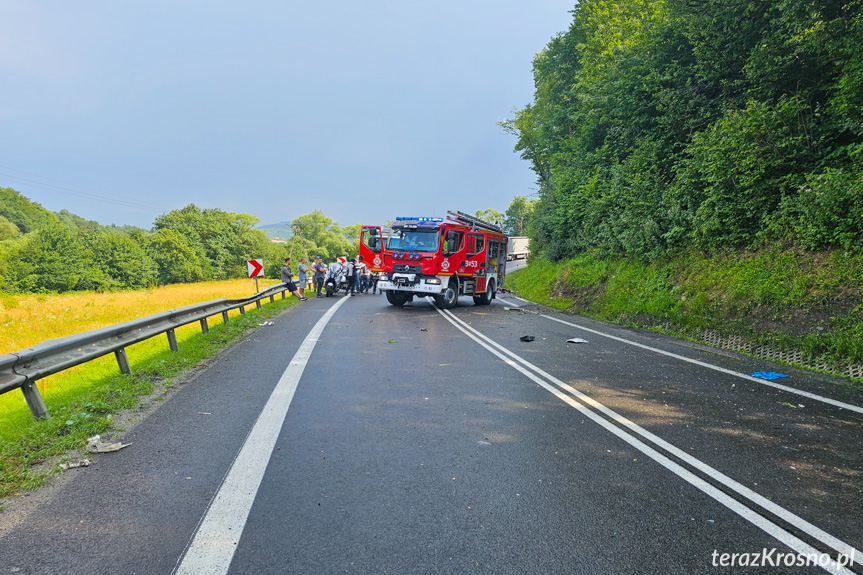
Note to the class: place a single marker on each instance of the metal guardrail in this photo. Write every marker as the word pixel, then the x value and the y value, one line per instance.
pixel 22 369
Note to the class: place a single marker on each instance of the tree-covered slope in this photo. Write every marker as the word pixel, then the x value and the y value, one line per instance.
pixel 658 125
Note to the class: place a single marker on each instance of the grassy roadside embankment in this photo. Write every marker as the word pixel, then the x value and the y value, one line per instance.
pixel 83 400
pixel 780 298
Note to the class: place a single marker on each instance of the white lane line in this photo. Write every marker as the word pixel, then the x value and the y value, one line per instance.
pixel 771 528
pixel 218 534
pixel 505 302
pixel 746 376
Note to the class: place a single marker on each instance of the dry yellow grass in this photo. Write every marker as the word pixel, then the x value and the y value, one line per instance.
pixel 30 319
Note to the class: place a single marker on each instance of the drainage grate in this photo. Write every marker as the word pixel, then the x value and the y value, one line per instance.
pixel 737 343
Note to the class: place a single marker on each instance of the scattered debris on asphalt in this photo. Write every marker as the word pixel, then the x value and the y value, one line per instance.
pixel 513 309
pixel 96 445
pixel 767 374
pixel 527 338
pixel 267 323
pixel 74 464
pixel 577 340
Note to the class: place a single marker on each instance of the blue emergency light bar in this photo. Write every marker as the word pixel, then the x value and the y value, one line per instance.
pixel 420 219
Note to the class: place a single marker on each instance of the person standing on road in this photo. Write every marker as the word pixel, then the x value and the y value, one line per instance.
pixel 364 275
pixel 352 276
pixel 302 277
pixel 287 279
pixel 376 276
pixel 320 271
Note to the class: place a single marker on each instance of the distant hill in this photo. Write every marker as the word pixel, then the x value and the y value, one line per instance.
pixel 279 231
pixel 26 215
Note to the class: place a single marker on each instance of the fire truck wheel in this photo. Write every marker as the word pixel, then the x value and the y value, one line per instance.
pixel 448 298
pixel 397 299
pixel 485 298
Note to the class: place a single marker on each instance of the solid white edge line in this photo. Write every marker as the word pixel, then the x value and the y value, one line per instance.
pixel 215 541
pixel 766 382
pixel 771 528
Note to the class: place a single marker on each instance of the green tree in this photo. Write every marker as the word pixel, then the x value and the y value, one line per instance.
pixel 658 124
pixel 222 241
pixel 491 216
pixel 26 215
pixel 50 260
pixel 124 260
pixel 322 236
pixel 518 216
pixel 176 260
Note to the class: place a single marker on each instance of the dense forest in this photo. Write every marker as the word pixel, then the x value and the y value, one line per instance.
pixel 43 251
pixel 661 125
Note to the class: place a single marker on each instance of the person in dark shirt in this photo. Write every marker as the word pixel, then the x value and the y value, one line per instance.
pixel 320 271
pixel 287 278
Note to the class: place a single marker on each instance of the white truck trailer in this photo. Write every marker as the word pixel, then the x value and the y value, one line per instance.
pixel 518 248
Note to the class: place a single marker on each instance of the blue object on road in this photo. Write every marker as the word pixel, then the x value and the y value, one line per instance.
pixel 767 374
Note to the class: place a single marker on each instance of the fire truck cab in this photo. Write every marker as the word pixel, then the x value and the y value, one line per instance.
pixel 442 258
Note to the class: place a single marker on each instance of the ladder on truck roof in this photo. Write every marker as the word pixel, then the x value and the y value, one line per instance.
pixel 476 223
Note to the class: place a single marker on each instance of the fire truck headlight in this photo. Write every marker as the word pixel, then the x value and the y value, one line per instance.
pixel 433 281
pixel 383 278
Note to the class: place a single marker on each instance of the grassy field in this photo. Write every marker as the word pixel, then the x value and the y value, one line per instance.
pixel 778 297
pixel 83 400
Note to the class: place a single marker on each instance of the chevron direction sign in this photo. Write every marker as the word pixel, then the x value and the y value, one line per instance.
pixel 256 268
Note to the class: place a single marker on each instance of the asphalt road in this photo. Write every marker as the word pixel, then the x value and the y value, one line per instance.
pixel 411 440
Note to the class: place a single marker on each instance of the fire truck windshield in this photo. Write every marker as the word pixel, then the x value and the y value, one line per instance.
pixel 414 240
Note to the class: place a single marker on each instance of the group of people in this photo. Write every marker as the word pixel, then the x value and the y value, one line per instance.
pixel 359 277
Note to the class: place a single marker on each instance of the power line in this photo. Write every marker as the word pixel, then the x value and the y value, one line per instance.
pixel 100 196
pixel 48 187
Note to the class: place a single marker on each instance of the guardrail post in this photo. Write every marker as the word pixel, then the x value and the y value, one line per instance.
pixel 283 294
pixel 172 340
pixel 272 298
pixel 204 327
pixel 224 317
pixel 123 361
pixel 258 303
pixel 242 310
pixel 34 400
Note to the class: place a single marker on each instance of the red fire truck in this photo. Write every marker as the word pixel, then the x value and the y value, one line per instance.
pixel 461 255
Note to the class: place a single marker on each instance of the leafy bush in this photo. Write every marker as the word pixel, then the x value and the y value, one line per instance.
pixel 827 210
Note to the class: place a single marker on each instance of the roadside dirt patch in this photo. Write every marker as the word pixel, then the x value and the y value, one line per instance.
pixel 582 298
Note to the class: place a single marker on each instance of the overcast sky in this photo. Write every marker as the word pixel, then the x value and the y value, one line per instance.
pixel 365 110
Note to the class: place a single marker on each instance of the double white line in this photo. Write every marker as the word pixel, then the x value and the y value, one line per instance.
pixel 627 431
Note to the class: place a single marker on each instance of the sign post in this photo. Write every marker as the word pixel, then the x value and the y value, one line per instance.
pixel 256 270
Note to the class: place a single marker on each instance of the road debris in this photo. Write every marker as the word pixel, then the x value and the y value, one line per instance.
pixel 74 464
pixel 96 445
pixel 767 374
pixel 527 338
pixel 267 323
pixel 577 340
